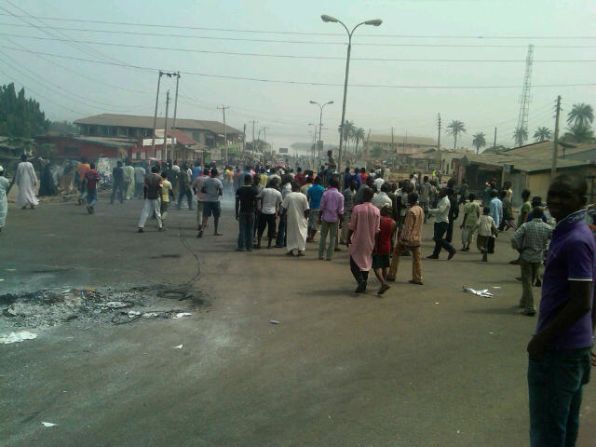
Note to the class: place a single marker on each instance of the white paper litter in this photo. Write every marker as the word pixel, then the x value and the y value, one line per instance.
pixel 134 313
pixel 274 322
pixel 178 347
pixel 48 424
pixel 17 337
pixel 480 292
pixel 117 304
pixel 182 315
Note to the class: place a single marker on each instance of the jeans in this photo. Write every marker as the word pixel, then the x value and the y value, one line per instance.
pixel 117 190
pixel 440 230
pixel 185 193
pixel 245 224
pixel 555 389
pixel 529 273
pixel 267 220
pixel 281 231
pixel 91 197
pixel 359 276
pixel 331 229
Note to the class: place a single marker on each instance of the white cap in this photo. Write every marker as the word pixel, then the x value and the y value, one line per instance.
pixel 1 168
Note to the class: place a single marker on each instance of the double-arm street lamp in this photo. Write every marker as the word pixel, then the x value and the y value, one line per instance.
pixel 321 107
pixel 374 22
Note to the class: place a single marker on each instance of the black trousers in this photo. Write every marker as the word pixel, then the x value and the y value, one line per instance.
pixel 439 234
pixel 359 275
pixel 267 220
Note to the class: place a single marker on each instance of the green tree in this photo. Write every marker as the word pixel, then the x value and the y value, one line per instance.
pixel 19 116
pixel 581 115
pixel 542 133
pixel 348 132
pixel 479 141
pixel 376 151
pixel 455 128
pixel 520 135
pixel 359 136
pixel 579 134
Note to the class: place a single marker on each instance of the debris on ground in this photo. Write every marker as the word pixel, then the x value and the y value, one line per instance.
pixel 274 322
pixel 17 337
pixel 480 292
pixel 179 347
pixel 53 307
pixel 48 424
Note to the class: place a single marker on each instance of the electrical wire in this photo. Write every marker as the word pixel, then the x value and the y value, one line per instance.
pixel 291 56
pixel 311 83
pixel 300 42
pixel 303 33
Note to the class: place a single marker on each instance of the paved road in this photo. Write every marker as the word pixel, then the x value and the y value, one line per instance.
pixel 424 366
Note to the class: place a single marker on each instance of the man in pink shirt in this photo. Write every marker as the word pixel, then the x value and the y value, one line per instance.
pixel 331 212
pixel 363 228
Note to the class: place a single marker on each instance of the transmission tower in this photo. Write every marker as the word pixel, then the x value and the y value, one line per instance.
pixel 521 130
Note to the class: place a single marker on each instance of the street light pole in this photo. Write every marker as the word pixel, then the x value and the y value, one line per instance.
pixel 374 22
pixel 321 107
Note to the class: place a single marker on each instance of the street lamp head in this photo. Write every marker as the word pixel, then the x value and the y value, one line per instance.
pixel 326 18
pixel 330 102
pixel 374 22
pixel 312 102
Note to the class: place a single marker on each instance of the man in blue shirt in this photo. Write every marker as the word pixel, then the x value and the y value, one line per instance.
pixel 496 207
pixel 314 195
pixel 559 352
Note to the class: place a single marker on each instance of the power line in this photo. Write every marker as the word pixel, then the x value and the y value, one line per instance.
pixel 311 83
pixel 303 33
pixel 292 56
pixel 301 42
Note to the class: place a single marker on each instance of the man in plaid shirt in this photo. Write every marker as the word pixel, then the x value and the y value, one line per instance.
pixel 530 240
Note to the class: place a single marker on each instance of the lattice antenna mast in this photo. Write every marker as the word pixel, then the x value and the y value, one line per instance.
pixel 521 134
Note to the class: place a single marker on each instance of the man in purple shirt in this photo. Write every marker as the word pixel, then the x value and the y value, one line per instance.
pixel 559 352
pixel 331 212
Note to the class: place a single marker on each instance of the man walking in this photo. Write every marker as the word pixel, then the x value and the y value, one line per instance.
pixel 166 190
pixel 331 213
pixel 559 352
pixel 296 206
pixel 363 229
pixel 425 189
pixel 129 181
pixel 441 214
pixel 90 184
pixel 197 187
pixel 139 181
pixel 27 182
pixel 410 239
pixel 495 207
pixel 246 204
pixel 151 193
pixel 118 189
pixel 349 194
pixel 270 202
pixel 471 216
pixel 530 241
pixel 314 195
pixel 382 251
pixel 213 189
pixel 184 185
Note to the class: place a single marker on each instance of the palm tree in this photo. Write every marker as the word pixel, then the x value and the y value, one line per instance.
pixel 579 134
pixel 542 133
pixel 347 133
pixel 359 136
pixel 479 141
pixel 455 128
pixel 580 115
pixel 520 135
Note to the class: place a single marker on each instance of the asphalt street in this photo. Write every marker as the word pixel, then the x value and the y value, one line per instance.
pixel 423 366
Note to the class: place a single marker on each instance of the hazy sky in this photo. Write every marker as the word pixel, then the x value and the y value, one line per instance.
pixel 73 88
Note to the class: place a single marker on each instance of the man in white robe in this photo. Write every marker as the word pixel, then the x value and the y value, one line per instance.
pixel 27 183
pixel 296 206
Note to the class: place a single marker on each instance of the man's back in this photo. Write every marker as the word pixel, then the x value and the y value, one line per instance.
pixel 314 194
pixel 213 188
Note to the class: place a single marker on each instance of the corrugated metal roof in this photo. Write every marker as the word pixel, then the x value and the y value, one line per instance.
pixel 400 139
pixel 146 122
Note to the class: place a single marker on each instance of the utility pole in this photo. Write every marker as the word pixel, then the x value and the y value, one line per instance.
pixel 553 171
pixel 265 134
pixel 439 136
pixel 165 129
pixel 244 139
pixel 253 133
pixel 393 142
pixel 495 139
pixel 223 111
pixel 155 114
pixel 176 100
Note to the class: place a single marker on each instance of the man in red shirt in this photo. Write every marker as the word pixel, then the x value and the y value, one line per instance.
pixel 381 254
pixel 90 183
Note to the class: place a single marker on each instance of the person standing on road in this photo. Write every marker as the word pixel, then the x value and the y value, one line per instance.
pixel 363 229
pixel 129 181
pixel 314 195
pixel 331 213
pixel 139 181
pixel 184 185
pixel 487 232
pixel 441 214
pixel 382 250
pixel 4 189
pixel 166 189
pixel 496 207
pixel 82 170
pixel 349 194
pixel 27 182
pixel 271 200
pixel 453 209
pixel 197 187
pixel 425 189
pixel 559 352
pixel 90 184
pixel 213 189
pixel 410 239
pixel 152 193
pixel 530 240
pixel 118 188
pixel 297 211
pixel 471 216
pixel 246 204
